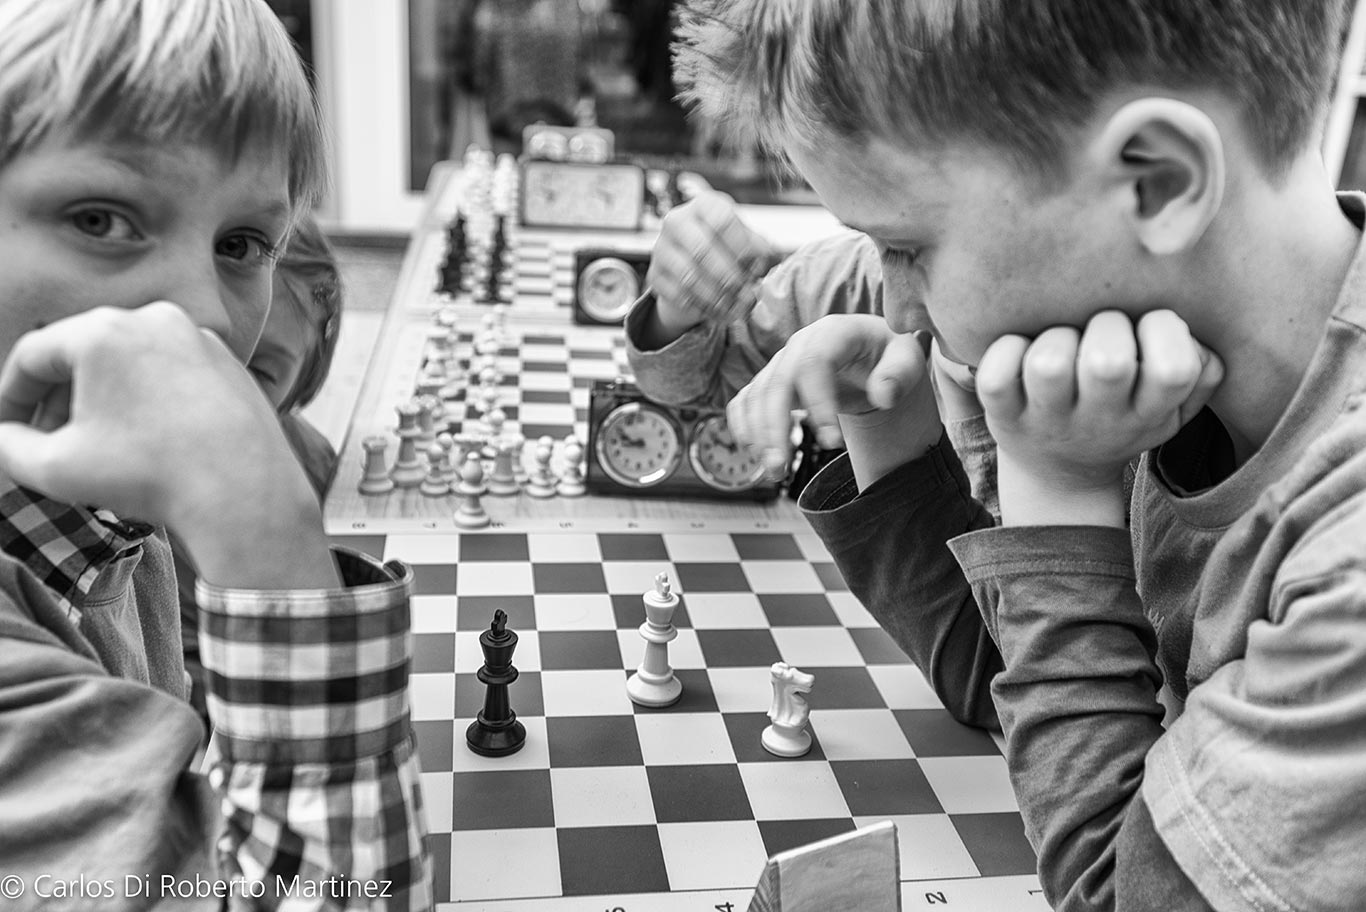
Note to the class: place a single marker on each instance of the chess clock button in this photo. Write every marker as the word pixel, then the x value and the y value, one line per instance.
pixel 639 445
pixel 719 460
pixel 607 288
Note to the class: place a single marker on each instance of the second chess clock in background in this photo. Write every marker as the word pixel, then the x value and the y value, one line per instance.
pixel 607 282
pixel 640 447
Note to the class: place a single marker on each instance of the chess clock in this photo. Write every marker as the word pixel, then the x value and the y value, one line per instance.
pixel 565 194
pixel 557 143
pixel 606 284
pixel 719 460
pixel 640 447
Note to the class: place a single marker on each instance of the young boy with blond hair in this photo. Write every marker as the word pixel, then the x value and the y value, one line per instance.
pixel 1117 215
pixel 154 156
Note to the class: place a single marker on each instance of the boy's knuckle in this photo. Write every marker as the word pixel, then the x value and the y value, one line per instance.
pixel 1047 364
pixel 1172 375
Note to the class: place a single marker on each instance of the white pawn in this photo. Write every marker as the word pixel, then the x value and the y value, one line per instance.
pixel 503 478
pixel 450 468
pixel 571 482
pixel 542 481
pixel 654 682
pixel 375 477
pixel 435 484
pixel 787 736
pixel 494 420
pixel 471 514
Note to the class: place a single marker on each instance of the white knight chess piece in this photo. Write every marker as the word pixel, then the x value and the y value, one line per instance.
pixel 787 736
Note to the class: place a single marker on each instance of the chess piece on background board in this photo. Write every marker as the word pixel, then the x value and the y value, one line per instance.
pixel 435 484
pixel 375 474
pixel 494 419
pixel 471 514
pixel 571 483
pixel 503 479
pixel 408 470
pixel 450 466
pixel 427 408
pixel 856 870
pixel 542 480
pixel 495 732
pixel 654 682
pixel 787 736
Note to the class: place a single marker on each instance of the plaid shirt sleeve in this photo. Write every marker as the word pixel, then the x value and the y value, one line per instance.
pixel 313 752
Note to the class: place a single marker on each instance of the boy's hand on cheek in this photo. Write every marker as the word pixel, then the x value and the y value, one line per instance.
pixel 1070 409
pixel 143 413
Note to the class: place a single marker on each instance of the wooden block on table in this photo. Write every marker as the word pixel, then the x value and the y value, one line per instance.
pixel 858 871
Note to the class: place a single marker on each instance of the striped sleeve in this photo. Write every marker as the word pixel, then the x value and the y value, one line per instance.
pixel 312 751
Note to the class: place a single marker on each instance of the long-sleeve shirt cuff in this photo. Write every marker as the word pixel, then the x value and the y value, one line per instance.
pixel 661 371
pixel 309 676
pixel 1054 555
pixel 833 502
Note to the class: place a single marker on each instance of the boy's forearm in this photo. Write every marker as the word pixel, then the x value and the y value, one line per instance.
pixel 262 540
pixel 880 441
pixel 1078 696
pixel 889 545
pixel 663 323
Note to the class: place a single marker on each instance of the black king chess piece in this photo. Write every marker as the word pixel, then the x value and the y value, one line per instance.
pixel 496 732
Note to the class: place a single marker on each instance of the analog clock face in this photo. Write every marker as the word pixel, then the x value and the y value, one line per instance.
pixel 719 460
pixel 638 445
pixel 608 287
pixel 548 144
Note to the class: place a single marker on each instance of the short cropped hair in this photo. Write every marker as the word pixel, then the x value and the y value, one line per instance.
pixel 223 73
pixel 309 273
pixel 1017 75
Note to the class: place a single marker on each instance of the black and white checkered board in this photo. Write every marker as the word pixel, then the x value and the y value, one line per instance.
pixel 611 806
pixel 538 277
pixel 545 370
pixel 544 375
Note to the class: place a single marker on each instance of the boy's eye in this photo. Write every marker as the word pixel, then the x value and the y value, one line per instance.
pixel 898 255
pixel 247 248
pixel 105 224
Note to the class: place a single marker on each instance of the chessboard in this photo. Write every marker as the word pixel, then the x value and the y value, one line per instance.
pixel 542 366
pixel 610 805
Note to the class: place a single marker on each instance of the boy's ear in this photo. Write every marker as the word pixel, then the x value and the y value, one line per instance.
pixel 1168 158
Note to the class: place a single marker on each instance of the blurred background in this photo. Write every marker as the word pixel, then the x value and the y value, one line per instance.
pixel 405 84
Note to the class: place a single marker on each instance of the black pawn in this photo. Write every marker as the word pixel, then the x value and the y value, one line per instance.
pixel 496 731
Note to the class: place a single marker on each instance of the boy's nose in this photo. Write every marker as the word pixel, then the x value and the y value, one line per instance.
pixel 199 295
pixel 907 314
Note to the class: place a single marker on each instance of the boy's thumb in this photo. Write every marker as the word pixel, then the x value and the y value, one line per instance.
pixel 1211 375
pixel 24 452
pixel 900 368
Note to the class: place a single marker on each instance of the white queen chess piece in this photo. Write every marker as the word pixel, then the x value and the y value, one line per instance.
pixel 787 736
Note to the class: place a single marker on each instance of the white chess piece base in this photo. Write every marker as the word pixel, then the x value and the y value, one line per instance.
pixel 647 692
pixel 784 741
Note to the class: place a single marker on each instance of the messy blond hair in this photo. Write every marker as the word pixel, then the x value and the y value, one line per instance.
pixel 1016 75
pixel 222 73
